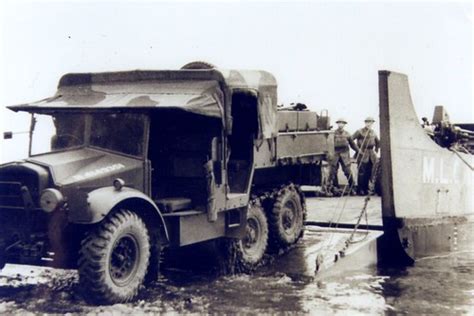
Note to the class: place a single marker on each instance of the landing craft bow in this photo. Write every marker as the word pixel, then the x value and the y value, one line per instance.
pixel 427 202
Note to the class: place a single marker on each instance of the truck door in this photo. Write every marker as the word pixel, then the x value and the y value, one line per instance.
pixel 241 141
pixel 216 184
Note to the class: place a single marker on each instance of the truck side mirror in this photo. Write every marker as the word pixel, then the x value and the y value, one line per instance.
pixel 7 135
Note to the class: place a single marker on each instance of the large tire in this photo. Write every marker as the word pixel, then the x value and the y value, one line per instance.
pixel 286 218
pixel 251 249
pixel 114 258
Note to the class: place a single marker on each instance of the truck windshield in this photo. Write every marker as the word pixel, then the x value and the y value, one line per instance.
pixel 120 132
pixel 56 132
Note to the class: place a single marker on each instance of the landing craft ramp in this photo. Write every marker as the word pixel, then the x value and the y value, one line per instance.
pixel 339 235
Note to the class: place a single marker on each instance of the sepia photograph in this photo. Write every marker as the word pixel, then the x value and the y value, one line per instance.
pixel 236 157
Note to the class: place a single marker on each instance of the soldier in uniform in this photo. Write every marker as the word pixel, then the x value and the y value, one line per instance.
pixel 369 143
pixel 342 141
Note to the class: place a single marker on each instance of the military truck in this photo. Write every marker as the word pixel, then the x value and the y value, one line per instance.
pixel 124 164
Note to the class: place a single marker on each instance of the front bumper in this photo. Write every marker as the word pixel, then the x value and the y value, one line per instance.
pixel 25 229
pixel 23 236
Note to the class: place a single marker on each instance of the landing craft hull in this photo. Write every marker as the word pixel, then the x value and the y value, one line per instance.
pixel 427 192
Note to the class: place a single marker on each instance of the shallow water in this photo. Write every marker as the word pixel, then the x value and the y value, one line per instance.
pixel 442 285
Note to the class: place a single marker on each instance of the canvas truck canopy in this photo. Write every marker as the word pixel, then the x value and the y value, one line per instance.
pixel 206 92
pixel 200 97
pixel 264 85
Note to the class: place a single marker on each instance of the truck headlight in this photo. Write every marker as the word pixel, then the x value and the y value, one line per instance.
pixel 118 184
pixel 50 199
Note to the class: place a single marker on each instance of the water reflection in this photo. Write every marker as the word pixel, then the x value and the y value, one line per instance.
pixel 442 285
pixel 439 285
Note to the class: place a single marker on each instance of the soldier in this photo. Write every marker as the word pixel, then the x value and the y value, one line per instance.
pixel 342 141
pixel 369 143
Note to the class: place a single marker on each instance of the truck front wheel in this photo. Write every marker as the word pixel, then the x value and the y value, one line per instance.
pixel 286 218
pixel 251 248
pixel 114 258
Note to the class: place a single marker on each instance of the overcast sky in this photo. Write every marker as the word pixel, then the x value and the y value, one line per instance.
pixel 325 54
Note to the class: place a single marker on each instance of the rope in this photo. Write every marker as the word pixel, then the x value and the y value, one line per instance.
pixel 344 199
pixel 466 151
pixel 450 254
pixel 350 188
pixel 363 212
pixel 461 157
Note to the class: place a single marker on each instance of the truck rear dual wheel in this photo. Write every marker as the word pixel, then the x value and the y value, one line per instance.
pixel 252 248
pixel 286 218
pixel 114 258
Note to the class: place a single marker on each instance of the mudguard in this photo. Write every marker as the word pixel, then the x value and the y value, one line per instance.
pixel 101 201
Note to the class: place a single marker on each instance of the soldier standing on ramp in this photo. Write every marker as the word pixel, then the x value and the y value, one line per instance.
pixel 342 141
pixel 369 144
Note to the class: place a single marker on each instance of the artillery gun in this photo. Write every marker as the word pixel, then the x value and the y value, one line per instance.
pixel 448 135
pixel 124 164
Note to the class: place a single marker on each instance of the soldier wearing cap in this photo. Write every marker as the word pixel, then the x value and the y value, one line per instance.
pixel 369 143
pixel 342 141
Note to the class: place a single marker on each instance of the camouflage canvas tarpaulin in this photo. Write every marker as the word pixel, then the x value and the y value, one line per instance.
pixel 265 87
pixel 199 97
pixel 205 91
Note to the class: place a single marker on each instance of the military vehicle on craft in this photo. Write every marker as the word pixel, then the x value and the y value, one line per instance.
pixel 141 160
